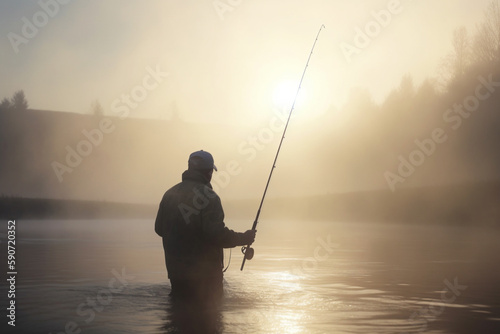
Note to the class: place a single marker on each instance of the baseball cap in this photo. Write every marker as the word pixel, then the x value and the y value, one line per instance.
pixel 201 160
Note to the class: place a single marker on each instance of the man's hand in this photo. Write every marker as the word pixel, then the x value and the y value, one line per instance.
pixel 249 237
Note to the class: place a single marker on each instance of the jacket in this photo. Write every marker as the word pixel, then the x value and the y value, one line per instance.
pixel 190 220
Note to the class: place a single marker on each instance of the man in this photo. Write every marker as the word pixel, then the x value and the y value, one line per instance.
pixel 191 222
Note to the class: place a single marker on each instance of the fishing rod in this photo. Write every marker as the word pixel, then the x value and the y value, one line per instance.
pixel 248 251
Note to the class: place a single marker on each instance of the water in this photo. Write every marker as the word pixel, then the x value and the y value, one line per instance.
pixel 306 277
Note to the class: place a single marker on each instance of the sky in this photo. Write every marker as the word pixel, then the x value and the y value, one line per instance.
pixel 229 61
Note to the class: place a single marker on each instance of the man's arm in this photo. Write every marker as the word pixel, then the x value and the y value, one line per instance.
pixel 159 219
pixel 216 231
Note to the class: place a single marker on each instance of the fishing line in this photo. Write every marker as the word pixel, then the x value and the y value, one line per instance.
pixel 228 262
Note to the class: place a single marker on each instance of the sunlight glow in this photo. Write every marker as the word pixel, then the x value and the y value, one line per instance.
pixel 284 94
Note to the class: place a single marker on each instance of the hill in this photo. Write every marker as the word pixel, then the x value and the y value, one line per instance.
pixel 60 155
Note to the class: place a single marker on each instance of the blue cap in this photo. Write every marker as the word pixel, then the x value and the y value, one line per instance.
pixel 201 160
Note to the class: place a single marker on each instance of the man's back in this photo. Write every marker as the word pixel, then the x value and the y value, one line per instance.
pixel 188 219
pixel 191 222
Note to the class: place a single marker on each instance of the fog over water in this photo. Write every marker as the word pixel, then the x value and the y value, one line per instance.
pixel 386 102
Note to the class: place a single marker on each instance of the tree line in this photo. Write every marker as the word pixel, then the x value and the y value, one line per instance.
pixel 476 50
pixel 17 102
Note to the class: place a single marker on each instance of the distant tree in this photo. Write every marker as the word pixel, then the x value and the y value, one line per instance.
pixel 406 87
pixel 174 113
pixel 425 106
pixel 96 108
pixel 426 91
pixel 454 65
pixel 18 101
pixel 399 99
pixel 486 44
pixel 461 52
pixel 5 105
pixel 359 103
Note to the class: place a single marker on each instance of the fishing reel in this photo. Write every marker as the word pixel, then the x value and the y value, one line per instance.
pixel 248 252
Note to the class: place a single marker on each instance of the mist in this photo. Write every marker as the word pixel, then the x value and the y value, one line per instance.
pixel 347 133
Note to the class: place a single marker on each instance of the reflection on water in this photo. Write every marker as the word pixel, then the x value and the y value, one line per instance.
pixel 109 277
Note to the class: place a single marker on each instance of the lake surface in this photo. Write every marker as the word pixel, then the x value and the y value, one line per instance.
pixel 108 276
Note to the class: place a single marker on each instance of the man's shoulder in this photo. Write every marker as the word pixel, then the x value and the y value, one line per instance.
pixel 171 191
pixel 194 188
pixel 173 188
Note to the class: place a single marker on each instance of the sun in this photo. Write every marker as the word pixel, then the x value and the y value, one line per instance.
pixel 284 94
